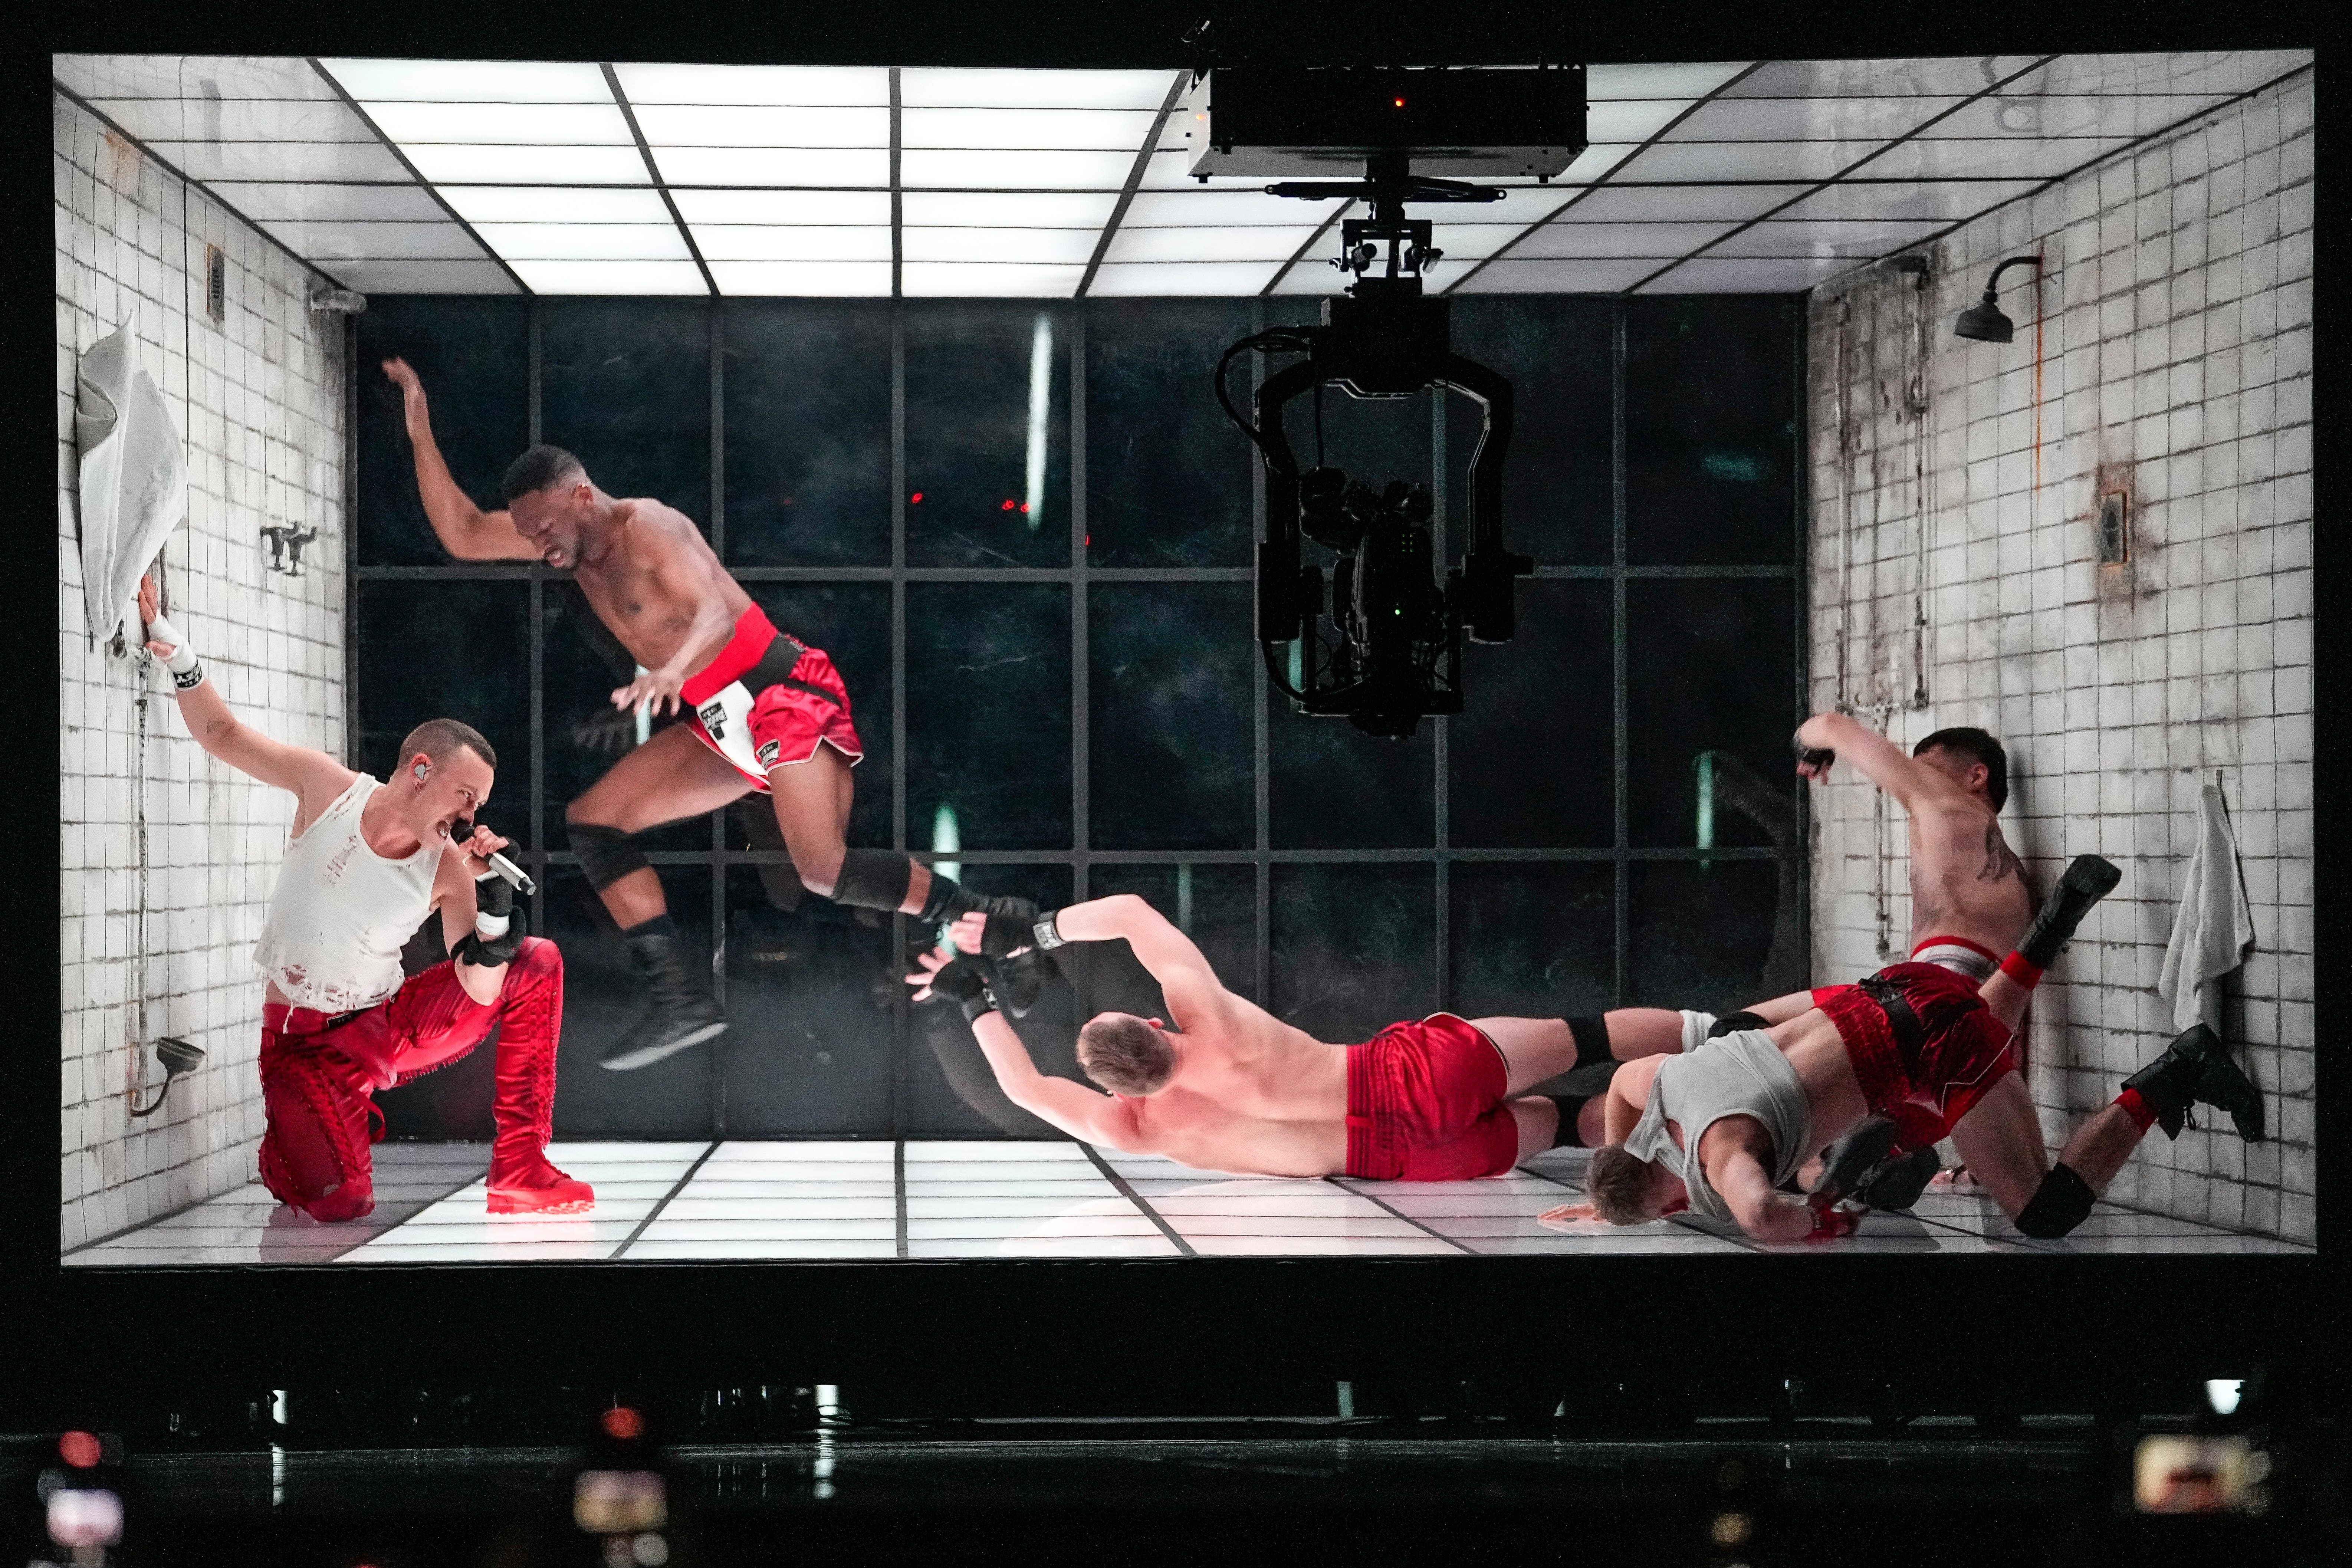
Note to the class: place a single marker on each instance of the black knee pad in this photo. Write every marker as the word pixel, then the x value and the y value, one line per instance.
pixel 607 854
pixel 2059 1203
pixel 1566 1136
pixel 874 879
pixel 1591 1038
pixel 1734 1023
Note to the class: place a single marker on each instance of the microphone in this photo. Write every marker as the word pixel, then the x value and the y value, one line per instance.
pixel 512 873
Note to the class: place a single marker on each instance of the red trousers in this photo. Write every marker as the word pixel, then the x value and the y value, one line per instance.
pixel 319 1075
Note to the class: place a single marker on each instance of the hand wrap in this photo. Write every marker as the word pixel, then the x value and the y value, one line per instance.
pixel 1007 933
pixel 498 925
pixel 1812 756
pixel 185 671
pixel 961 982
pixel 1831 1223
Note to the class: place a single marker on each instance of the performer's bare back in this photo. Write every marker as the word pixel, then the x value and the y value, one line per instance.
pixel 1253 1094
pixel 1965 880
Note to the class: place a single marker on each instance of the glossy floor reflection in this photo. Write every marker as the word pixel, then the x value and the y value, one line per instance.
pixel 944 1199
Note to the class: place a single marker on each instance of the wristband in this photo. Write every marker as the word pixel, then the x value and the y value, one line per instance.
pixel 185 671
pixel 1047 934
pixel 489 927
pixel 973 1006
pixel 1812 756
pixel 1830 1223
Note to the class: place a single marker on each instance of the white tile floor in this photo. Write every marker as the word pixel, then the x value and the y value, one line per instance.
pixel 925 1199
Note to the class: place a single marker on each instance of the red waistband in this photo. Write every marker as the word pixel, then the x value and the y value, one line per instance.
pixel 753 633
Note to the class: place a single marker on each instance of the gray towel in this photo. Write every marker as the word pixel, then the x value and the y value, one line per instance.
pixel 133 479
pixel 2214 930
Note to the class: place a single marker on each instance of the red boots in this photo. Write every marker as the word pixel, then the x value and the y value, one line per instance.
pixel 531 1015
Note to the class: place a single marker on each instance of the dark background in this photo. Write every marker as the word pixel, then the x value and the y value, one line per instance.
pixel 1077 685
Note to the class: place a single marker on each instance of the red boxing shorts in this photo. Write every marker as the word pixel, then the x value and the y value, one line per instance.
pixel 768 700
pixel 1425 1103
pixel 1928 1078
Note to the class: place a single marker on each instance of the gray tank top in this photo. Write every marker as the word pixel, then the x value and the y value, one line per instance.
pixel 1738 1075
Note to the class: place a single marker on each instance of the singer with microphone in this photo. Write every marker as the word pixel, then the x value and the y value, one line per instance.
pixel 366 861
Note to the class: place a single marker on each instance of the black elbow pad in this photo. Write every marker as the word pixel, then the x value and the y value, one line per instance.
pixel 2059 1203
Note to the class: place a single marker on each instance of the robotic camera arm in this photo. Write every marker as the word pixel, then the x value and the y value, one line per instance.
pixel 1398 649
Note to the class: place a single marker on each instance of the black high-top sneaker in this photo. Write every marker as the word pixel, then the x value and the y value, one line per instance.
pixel 679 1011
pixel 2196 1069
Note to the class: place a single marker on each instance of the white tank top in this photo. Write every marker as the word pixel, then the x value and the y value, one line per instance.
pixel 341 911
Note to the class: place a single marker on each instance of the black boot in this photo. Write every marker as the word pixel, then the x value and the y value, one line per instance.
pixel 1849 1161
pixel 1895 1183
pixel 2196 1069
pixel 679 1013
pixel 2086 881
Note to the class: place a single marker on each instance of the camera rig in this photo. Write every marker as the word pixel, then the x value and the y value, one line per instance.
pixel 1398 649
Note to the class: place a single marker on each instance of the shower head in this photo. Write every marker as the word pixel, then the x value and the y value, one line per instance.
pixel 1984 320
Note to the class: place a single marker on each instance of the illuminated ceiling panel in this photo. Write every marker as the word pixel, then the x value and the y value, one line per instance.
pixel 412 175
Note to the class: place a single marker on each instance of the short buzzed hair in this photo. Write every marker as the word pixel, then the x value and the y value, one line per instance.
pixel 1618 1185
pixel 536 469
pixel 1125 1054
pixel 1977 745
pixel 439 739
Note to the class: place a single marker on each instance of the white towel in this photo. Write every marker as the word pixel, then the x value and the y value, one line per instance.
pixel 2214 930
pixel 133 479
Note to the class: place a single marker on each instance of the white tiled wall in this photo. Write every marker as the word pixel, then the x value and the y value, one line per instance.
pixel 1955 582
pixel 258 400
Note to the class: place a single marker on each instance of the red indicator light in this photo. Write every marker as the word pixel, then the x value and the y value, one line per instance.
pixel 622 1422
pixel 1091 541
pixel 918 496
pixel 1025 506
pixel 1400 103
pixel 1008 505
pixel 79 1450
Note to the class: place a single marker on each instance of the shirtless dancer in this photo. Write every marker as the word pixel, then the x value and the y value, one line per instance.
pixel 1232 1088
pixel 1969 898
pixel 365 864
pixel 766 712
pixel 1719 1129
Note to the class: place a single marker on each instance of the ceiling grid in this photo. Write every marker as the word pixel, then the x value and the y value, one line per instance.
pixel 576 178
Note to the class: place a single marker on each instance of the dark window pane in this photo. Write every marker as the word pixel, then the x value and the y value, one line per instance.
pixel 1528 759
pixel 625 386
pixel 851 622
pixel 1711 429
pixel 987 713
pixel 1531 939
pixel 474 358
pixel 1168 478
pixel 446 651
pixel 1335 787
pixel 1555 351
pixel 581 666
pixel 950 1091
pixel 1710 670
pixel 809 983
pixel 1708 937
pixel 602 997
pixel 1354 947
pixel 988 394
pixel 1171 738
pixel 808 433
pixel 1216 906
